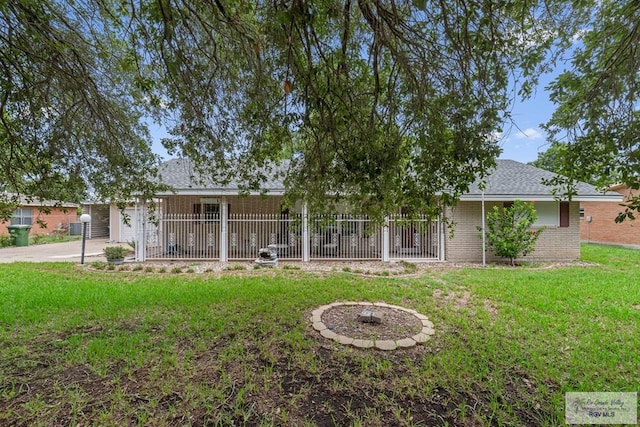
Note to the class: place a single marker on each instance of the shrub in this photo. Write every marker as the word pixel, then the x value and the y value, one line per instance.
pixel 509 230
pixel 5 241
pixel 115 252
pixel 99 265
pixel 409 267
pixel 38 238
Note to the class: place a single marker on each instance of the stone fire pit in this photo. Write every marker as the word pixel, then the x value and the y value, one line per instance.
pixel 372 325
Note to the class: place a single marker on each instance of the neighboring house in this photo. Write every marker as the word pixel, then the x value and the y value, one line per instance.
pixel 208 221
pixel 597 221
pixel 58 219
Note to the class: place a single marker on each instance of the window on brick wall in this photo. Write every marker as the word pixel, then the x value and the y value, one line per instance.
pixel 550 214
pixel 22 216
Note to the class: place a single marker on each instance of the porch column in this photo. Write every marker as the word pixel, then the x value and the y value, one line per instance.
pixel 385 240
pixel 306 252
pixel 141 230
pixel 442 238
pixel 224 213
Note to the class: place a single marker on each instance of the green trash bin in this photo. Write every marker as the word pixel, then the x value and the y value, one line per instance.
pixel 19 234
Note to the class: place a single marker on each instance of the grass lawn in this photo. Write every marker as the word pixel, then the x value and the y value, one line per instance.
pixel 82 347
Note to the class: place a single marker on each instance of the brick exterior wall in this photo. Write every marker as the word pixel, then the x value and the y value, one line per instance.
pixel 57 216
pixel 603 228
pixel 555 243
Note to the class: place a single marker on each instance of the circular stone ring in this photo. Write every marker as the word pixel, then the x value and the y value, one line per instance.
pixel 387 344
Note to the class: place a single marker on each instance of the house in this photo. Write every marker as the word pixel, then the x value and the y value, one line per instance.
pixel 208 221
pixel 44 216
pixel 597 221
pixel 511 181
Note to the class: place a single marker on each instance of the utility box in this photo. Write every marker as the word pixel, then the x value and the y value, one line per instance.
pixel 19 234
pixel 75 229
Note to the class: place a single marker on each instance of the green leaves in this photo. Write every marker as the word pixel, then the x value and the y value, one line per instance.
pixel 509 230
pixel 389 104
pixel 597 98
pixel 377 104
pixel 71 106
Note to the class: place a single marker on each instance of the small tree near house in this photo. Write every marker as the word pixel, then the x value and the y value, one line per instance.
pixel 509 230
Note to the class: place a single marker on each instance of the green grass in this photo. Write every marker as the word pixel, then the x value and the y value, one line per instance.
pixel 39 239
pixel 113 348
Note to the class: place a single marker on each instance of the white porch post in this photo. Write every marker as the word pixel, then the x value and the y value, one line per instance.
pixel 484 235
pixel 385 240
pixel 442 238
pixel 306 252
pixel 224 213
pixel 141 230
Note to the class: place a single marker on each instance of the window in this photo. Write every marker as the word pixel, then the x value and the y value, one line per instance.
pixel 550 214
pixel 22 216
pixel 211 211
pixel 207 209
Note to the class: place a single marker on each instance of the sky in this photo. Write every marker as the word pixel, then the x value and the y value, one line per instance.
pixel 524 139
pixel 521 140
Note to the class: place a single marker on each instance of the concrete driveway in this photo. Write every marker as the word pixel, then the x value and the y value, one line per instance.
pixel 58 252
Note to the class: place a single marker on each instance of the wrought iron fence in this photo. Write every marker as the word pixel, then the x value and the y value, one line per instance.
pixel 344 237
pixel 411 238
pixel 249 232
pixel 338 237
pixel 185 236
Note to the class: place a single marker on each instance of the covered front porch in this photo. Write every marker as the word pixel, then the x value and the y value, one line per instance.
pixel 230 228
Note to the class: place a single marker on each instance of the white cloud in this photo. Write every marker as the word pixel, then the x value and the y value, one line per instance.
pixel 528 133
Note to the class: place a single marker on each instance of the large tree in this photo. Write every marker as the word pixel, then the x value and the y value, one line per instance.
pixel 382 103
pixel 69 124
pixel 379 103
pixel 597 122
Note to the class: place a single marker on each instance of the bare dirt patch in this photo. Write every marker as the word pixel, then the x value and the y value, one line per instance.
pixel 396 324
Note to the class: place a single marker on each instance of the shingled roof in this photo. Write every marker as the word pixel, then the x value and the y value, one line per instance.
pixel 180 175
pixel 510 180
